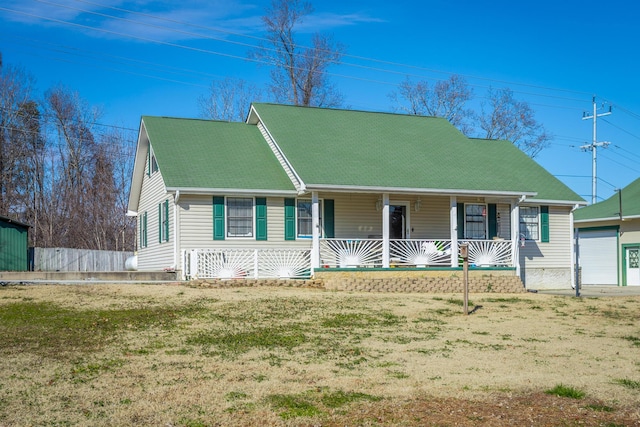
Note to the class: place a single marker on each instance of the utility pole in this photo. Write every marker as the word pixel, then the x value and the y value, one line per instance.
pixel 593 147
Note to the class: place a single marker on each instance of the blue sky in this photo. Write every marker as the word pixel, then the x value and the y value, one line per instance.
pixel 152 57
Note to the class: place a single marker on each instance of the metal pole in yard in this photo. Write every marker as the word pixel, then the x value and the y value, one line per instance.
pixel 464 253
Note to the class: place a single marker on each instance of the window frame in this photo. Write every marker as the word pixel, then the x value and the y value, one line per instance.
pixel 143 230
pixel 163 222
pixel 310 218
pixel 484 220
pixel 527 235
pixel 228 218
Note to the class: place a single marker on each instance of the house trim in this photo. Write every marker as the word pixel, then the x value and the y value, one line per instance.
pixel 418 191
pixel 623 257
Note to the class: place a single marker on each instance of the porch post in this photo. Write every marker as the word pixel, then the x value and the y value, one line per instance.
pixel 385 230
pixel 453 225
pixel 315 232
pixel 515 235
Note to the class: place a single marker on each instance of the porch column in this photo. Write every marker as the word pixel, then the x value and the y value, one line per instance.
pixel 385 230
pixel 453 225
pixel 515 235
pixel 315 231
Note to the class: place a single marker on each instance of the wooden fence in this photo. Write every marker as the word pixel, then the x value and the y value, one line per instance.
pixel 66 259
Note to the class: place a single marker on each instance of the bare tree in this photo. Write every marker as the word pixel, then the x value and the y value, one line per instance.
pixel 228 99
pixel 502 117
pixel 507 118
pixel 446 98
pixel 299 74
pixel 15 94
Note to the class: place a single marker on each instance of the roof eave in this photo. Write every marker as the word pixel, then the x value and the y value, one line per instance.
pixel 611 218
pixel 557 202
pixel 231 191
pixel 138 172
pixel 417 190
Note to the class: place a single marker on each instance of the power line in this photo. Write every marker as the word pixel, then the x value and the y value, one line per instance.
pixel 195 35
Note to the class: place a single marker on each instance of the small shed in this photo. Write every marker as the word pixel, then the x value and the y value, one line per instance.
pixel 14 242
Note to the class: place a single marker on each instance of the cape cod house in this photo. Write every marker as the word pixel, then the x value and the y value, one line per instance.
pixel 295 190
pixel 609 239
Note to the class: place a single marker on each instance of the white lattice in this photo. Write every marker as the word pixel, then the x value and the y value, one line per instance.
pixel 420 252
pixel 484 253
pixel 351 252
pixel 284 263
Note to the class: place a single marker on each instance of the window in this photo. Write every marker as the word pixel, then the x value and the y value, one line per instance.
pixel 305 217
pixel 475 221
pixel 239 217
pixel 529 225
pixel 152 164
pixel 163 221
pixel 143 230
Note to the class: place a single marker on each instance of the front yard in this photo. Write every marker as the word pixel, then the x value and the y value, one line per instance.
pixel 174 355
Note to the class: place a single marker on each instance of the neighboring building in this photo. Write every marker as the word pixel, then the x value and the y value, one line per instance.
pixel 14 245
pixel 296 189
pixel 609 239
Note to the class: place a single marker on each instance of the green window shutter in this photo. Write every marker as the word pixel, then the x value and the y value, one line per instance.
pixel 460 220
pixel 145 230
pixel 218 218
pixel 289 219
pixel 329 215
pixel 544 224
pixel 261 218
pixel 142 230
pixel 149 160
pixel 166 220
pixel 159 222
pixel 492 214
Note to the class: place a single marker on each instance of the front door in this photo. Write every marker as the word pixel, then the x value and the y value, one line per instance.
pixel 632 263
pixel 397 222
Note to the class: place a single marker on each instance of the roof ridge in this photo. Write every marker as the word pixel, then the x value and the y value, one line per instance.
pixel 350 110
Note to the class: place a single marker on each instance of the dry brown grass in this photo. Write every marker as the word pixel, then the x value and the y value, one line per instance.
pixel 173 355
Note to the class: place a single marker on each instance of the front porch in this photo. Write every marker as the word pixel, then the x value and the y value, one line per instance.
pixel 347 255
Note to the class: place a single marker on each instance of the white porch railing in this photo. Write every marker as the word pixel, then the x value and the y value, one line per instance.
pixel 420 253
pixel 489 253
pixel 339 253
pixel 342 253
pixel 247 263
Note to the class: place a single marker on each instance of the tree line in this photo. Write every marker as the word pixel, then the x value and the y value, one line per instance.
pixel 62 172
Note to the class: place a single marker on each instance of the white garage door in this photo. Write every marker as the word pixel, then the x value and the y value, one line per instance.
pixel 598 257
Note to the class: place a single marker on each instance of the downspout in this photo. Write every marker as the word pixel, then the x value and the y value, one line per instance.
pixel 176 200
pixel 515 234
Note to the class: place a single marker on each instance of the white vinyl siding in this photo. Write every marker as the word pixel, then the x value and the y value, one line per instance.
pixel 196 227
pixel 503 212
pixel 155 256
pixel 553 254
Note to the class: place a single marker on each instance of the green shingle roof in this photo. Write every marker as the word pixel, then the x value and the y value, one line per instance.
pixel 610 208
pixel 330 147
pixel 366 149
pixel 213 154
